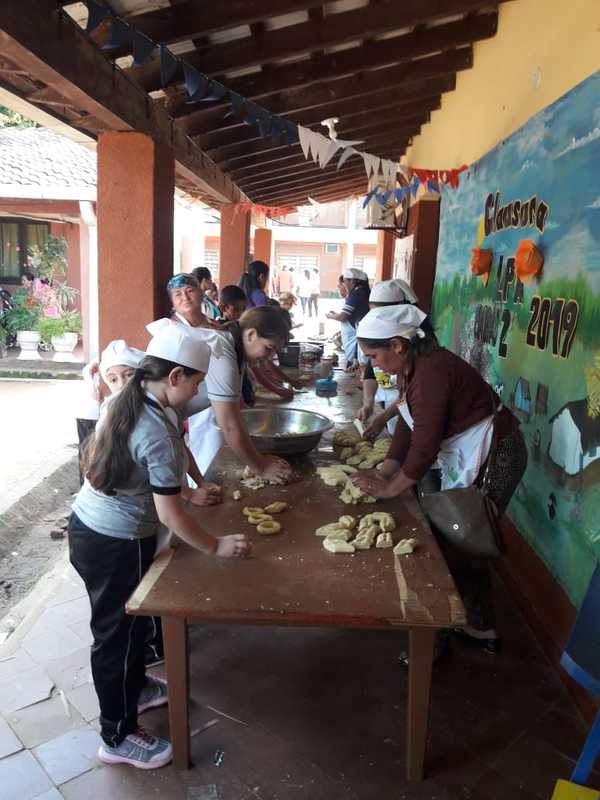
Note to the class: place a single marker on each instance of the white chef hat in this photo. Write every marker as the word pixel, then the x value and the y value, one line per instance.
pixel 393 291
pixel 215 340
pixel 179 344
pixel 118 354
pixel 355 274
pixel 389 321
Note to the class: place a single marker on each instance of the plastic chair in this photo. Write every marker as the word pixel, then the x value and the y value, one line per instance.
pixel 581 660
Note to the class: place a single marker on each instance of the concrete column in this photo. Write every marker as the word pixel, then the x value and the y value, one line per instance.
pixel 88 241
pixel 262 245
pixel 234 245
pixel 384 268
pixel 136 182
pixel 351 234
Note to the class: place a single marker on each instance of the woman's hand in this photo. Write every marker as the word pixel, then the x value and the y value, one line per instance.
pixel 286 394
pixel 365 412
pixel 276 470
pixel 375 485
pixel 208 494
pixel 374 428
pixel 237 545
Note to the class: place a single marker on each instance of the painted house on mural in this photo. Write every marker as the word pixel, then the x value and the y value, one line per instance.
pixel 574 438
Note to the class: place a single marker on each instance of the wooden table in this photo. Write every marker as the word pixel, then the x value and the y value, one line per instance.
pixel 292 580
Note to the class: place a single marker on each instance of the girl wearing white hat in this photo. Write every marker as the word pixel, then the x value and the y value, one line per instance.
pixel 379 386
pixel 356 305
pixel 447 423
pixel 133 483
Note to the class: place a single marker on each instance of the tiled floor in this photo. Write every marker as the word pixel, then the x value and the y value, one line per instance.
pixel 320 716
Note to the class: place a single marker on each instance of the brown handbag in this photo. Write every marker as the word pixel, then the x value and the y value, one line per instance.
pixel 466 517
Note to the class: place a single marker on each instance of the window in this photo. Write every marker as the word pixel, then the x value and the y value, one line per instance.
pixel 211 260
pixel 298 262
pixel 16 236
pixel 331 248
pixel 358 262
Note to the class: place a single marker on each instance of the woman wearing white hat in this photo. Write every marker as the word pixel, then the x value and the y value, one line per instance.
pixel 380 386
pixel 133 483
pixel 356 305
pixel 448 421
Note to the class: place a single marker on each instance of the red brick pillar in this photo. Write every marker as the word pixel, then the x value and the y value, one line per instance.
pixel 262 245
pixel 136 183
pixel 234 245
pixel 424 223
pixel 384 267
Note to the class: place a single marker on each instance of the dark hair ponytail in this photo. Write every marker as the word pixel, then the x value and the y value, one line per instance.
pixel 108 462
pixel 249 280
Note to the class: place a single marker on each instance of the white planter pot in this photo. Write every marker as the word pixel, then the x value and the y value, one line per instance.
pixel 28 341
pixel 63 346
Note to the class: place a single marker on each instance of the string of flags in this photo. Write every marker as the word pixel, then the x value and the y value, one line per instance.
pixel 322 149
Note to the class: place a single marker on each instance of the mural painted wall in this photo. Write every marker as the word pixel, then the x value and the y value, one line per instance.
pixel 536 338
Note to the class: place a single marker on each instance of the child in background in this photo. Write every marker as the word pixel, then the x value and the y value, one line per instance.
pixel 133 483
pixel 287 301
pixel 232 303
pixel 117 363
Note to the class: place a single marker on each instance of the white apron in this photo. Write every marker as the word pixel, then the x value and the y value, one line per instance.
pixel 460 456
pixel 205 439
pixel 348 341
pixel 386 393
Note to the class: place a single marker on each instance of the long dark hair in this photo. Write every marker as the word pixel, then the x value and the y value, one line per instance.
pixel 107 461
pixel 413 348
pixel 249 280
pixel 268 321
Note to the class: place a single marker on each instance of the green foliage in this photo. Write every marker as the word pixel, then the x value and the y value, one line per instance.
pixel 11 119
pixel 69 322
pixel 3 336
pixel 49 262
pixel 24 316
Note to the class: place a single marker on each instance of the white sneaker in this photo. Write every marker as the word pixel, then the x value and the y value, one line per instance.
pixel 138 749
pixel 153 695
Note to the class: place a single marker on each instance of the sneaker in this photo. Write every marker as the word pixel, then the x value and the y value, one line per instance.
pixel 138 749
pixel 153 694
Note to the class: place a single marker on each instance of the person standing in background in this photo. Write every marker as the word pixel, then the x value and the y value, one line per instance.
pixel 303 289
pixel 254 282
pixel 356 305
pixel 208 306
pixel 314 287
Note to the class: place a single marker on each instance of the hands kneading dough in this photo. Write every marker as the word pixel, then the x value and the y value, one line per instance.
pixel 336 475
pixel 352 494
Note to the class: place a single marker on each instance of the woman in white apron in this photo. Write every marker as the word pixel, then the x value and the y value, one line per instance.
pixel 447 423
pixel 356 305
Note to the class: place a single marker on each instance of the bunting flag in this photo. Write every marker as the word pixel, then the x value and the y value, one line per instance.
pixel 196 83
pixel 168 66
pixel 96 15
pixel 272 212
pixel 143 47
pixel 120 34
pixel 322 149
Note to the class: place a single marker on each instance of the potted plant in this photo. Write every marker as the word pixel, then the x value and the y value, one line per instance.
pixel 60 324
pixel 62 333
pixel 23 320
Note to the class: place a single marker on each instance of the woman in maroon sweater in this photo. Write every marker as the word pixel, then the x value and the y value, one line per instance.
pixel 444 434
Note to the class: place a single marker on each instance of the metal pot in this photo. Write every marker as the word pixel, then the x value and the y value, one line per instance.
pixel 285 431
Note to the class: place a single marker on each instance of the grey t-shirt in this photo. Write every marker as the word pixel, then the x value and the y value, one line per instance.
pixel 158 456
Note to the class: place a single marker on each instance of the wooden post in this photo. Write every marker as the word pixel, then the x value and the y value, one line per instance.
pixel 420 654
pixel 135 234
pixel 424 223
pixel 234 245
pixel 262 245
pixel 386 244
pixel 175 637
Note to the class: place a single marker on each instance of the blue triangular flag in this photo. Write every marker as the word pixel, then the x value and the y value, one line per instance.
pixel 237 103
pixel 96 15
pixel 120 34
pixel 432 185
pixel 415 186
pixel 368 198
pixel 277 126
pixel 196 83
pixel 383 198
pixel 252 113
pixel 264 123
pixel 168 65
pixel 216 92
pixel 291 133
pixel 143 47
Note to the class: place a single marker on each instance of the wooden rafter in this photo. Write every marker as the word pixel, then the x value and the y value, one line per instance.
pixel 284 197
pixel 52 48
pixel 356 114
pixel 361 128
pixel 213 120
pixel 375 55
pixel 354 169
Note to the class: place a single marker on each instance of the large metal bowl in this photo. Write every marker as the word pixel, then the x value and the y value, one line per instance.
pixel 285 431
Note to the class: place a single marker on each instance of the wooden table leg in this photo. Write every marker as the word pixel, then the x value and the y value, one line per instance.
pixel 421 644
pixel 177 665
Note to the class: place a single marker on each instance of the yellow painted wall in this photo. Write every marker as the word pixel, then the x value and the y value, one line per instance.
pixel 497 96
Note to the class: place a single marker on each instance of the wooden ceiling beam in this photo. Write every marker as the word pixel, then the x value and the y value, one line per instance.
pixel 193 19
pixel 305 37
pixel 352 171
pixel 280 153
pixel 395 96
pixel 52 48
pixel 307 170
pixel 314 190
pixel 286 101
pixel 356 113
pixel 354 130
